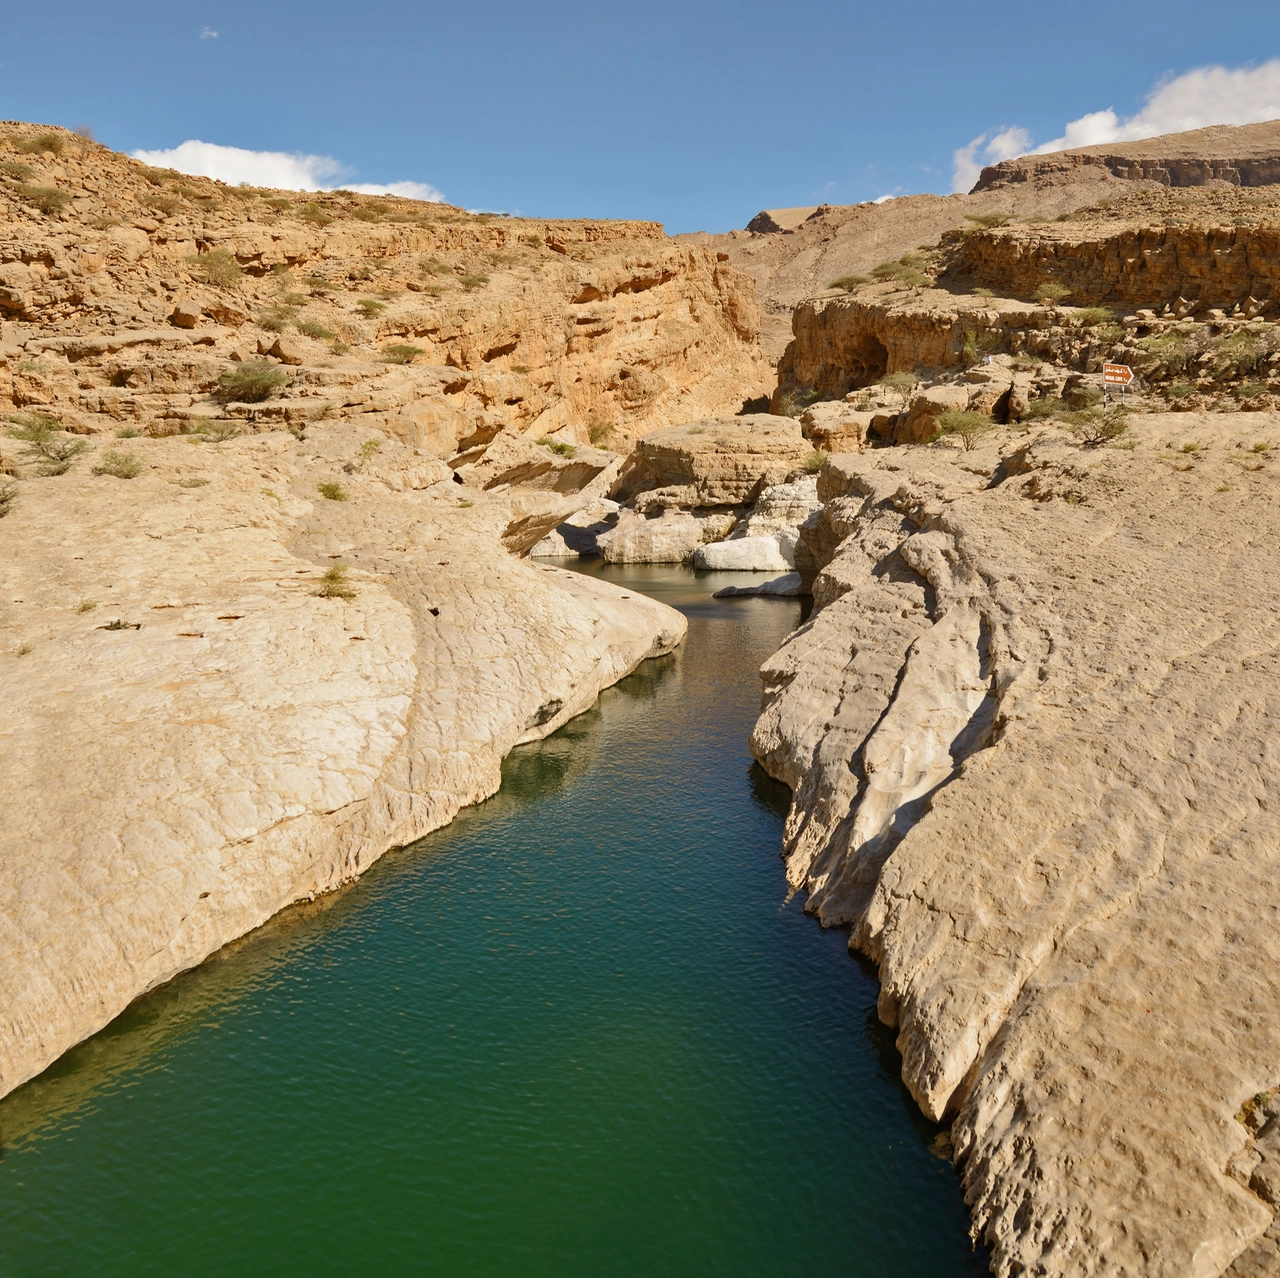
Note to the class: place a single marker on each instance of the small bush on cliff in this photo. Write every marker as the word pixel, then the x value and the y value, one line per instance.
pixel 8 495
pixel 599 429
pixel 332 491
pixel 1050 292
pixel 815 461
pixel 400 354
pixel 371 307
pixel 1091 316
pixel 977 344
pixel 1179 390
pixel 42 142
pixel 217 267
pixel 473 282
pixel 1039 409
pixel 987 221
pixel 563 450
pixel 251 382
pixel 44 444
pixel 309 328
pixel 1168 353
pixel 1251 390
pixel 1094 427
pixel 120 465
pixel 902 384
pixel 314 214
pixel 19 172
pixel 967 426
pixel 848 282
pixel 161 202
pixel 1237 354
pixel 334 584
pixel 48 199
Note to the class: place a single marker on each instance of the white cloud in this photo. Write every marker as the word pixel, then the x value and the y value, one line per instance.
pixel 1194 100
pixel 208 33
pixel 284 170
pixel 986 148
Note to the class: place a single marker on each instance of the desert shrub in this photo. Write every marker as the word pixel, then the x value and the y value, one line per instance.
pixel 340 348
pixel 102 221
pixel 1091 316
pixel 58 454
pixel 219 432
pixel 1039 409
pixel 466 503
pixel 564 450
pixel 314 214
pixel 473 282
pixel 161 202
pixel 1169 351
pixel 969 427
pixel 1236 354
pixel 86 605
pixel 128 432
pixel 272 323
pixel 334 584
pixel 599 429
pixel 332 491
pixel 1094 427
pixel 1260 446
pixel 318 284
pixel 1026 362
pixel 432 266
pixel 278 202
pixel 44 444
pixel 987 221
pixel 251 382
pixel 310 328
pixel 19 172
pixel 217 267
pixel 48 199
pixel 371 307
pixel 157 177
pixel 51 142
pixel 815 461
pixel 364 213
pixel 120 465
pixel 1250 390
pixel 1050 292
pixel 1191 446
pixel 1179 390
pixel 977 344
pixel 901 383
pixel 8 495
pixel 288 298
pixel 367 451
pixel 982 292
pixel 849 281
pixel 401 353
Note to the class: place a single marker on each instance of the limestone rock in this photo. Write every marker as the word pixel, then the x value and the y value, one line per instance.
pixel 287 351
pixel 185 314
pixel 670 538
pixel 290 739
pixel 835 427
pixel 787 586
pixel 723 461
pixel 1005 730
pixel 768 552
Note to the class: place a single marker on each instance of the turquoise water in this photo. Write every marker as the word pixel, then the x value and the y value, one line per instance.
pixel 581 1031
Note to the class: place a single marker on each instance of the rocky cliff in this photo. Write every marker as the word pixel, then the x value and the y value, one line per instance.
pixel 1239 155
pixel 1027 728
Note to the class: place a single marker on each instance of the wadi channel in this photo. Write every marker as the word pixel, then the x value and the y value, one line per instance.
pixel 317 509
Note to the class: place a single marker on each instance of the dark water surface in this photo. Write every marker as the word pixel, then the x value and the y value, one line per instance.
pixel 581 1031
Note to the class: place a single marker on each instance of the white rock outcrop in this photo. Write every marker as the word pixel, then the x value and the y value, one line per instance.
pixel 1030 731
pixel 193 738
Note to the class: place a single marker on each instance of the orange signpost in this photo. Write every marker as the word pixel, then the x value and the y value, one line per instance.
pixel 1115 375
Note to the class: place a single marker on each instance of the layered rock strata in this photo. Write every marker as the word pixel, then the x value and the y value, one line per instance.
pixel 1028 729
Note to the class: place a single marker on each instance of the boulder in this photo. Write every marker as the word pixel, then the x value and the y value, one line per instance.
pixel 512 458
pixel 185 313
pixel 430 426
pixel 287 351
pixel 788 586
pixel 835 427
pixel 769 552
pixel 921 422
pixel 716 461
pixel 670 538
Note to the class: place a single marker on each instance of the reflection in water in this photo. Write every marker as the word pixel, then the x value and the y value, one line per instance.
pixel 581 1030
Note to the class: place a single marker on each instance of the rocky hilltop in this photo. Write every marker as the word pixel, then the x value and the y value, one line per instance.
pixel 1239 155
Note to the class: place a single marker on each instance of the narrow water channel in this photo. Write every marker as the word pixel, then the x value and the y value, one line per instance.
pixel 581 1031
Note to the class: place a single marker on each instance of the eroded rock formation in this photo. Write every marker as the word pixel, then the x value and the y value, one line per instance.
pixel 1027 729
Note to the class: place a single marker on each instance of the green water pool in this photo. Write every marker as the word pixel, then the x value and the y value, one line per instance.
pixel 584 1030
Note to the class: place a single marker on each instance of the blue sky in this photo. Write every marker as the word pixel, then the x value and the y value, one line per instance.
pixel 695 114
